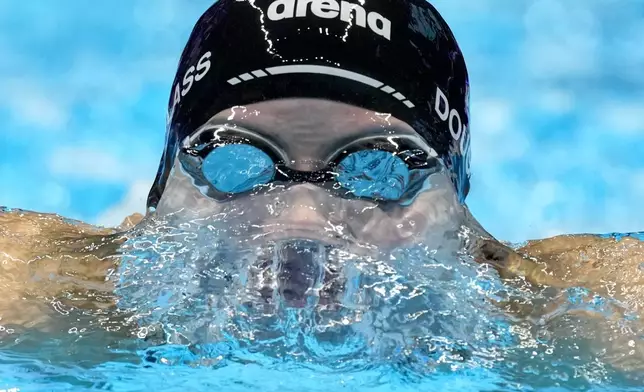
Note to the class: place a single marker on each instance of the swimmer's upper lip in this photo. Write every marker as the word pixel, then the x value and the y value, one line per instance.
pixel 275 231
pixel 308 228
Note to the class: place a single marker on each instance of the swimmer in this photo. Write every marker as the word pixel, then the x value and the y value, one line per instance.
pixel 319 122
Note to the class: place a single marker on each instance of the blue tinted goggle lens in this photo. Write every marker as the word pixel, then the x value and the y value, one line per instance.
pixel 374 174
pixel 237 168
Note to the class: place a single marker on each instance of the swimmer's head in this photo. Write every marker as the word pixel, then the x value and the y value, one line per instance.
pixel 397 57
pixel 308 113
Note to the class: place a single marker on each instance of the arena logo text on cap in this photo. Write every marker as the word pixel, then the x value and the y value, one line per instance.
pixel 330 9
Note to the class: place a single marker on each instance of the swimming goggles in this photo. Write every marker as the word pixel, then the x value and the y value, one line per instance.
pixel 226 162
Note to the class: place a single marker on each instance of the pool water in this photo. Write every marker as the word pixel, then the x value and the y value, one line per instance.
pixel 196 313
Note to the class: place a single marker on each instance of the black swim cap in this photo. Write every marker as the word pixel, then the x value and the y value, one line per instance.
pixel 389 56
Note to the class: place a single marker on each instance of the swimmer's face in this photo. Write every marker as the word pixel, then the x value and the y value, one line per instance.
pixel 308 131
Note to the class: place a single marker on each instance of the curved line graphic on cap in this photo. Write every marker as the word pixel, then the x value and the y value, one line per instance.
pixel 324 70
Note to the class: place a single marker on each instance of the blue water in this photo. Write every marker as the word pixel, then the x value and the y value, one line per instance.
pixel 414 318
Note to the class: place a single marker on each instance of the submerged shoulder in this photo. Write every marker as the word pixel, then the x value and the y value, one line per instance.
pixel 36 246
pixel 26 235
pixel 46 255
pixel 21 223
pixel 594 261
pixel 586 247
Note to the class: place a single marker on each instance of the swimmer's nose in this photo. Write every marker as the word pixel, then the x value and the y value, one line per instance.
pixel 304 205
pixel 300 268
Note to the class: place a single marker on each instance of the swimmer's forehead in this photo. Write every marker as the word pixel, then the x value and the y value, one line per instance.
pixel 311 120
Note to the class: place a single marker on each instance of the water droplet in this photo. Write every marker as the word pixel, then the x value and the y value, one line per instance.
pixel 142 333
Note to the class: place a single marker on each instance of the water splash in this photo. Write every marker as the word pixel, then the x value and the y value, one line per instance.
pixel 418 311
pixel 198 303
